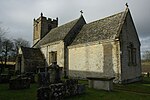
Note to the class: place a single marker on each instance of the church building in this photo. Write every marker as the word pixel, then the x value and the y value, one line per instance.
pixel 108 47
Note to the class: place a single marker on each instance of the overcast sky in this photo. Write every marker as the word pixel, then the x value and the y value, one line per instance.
pixel 18 15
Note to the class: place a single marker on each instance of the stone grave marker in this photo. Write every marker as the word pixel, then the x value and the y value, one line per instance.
pixel 55 73
pixel 43 79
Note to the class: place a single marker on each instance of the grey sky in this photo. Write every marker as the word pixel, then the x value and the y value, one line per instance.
pixel 18 15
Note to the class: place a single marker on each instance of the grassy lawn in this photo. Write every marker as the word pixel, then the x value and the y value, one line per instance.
pixel 140 87
pixel 92 94
pixel 25 94
pixel 136 91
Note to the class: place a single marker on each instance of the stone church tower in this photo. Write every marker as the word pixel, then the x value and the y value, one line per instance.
pixel 42 26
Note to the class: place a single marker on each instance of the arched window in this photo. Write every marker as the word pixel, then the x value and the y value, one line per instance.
pixel 131 54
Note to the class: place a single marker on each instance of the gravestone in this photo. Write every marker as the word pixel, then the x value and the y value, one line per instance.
pixel 31 75
pixel 81 88
pixel 19 83
pixel 4 78
pixel 52 88
pixel 43 79
pixel 55 73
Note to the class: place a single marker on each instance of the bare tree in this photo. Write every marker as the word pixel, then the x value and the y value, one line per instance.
pixel 7 49
pixel 2 32
pixel 146 56
pixel 2 36
pixel 20 42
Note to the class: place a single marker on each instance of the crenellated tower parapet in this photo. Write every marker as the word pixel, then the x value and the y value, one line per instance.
pixel 42 26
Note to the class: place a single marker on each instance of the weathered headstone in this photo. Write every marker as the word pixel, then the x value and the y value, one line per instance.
pixel 31 75
pixel 55 72
pixel 81 88
pixel 43 79
pixel 19 83
pixel 4 78
pixel 52 88
pixel 147 74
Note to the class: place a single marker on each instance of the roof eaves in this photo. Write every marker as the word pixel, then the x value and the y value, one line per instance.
pixel 91 43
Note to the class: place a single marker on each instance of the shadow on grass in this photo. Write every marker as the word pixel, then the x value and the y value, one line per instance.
pixel 139 87
pixel 140 90
pixel 22 94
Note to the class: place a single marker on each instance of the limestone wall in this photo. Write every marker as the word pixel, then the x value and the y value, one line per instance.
pixel 93 60
pixel 37 30
pixel 57 46
pixel 17 66
pixel 129 35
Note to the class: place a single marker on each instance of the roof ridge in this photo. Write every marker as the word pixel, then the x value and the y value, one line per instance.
pixel 34 53
pixel 105 28
pixel 29 48
pixel 106 17
pixel 69 22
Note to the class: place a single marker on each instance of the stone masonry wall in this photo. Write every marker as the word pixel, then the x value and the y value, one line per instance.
pixel 36 30
pixel 57 46
pixel 129 34
pixel 93 60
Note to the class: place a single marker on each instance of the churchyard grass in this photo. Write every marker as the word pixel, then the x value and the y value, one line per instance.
pixel 24 94
pixel 141 87
pixel 135 91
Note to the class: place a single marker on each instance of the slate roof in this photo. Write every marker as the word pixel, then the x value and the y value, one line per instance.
pixel 32 53
pixel 102 29
pixel 57 33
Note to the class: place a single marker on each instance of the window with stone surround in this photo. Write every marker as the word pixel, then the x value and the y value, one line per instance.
pixel 131 55
pixel 52 57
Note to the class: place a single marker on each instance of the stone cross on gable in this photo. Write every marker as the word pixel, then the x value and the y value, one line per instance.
pixel 127 5
pixel 81 12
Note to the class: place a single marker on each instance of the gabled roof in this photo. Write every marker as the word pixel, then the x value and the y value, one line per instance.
pixel 58 33
pixel 103 29
pixel 32 53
